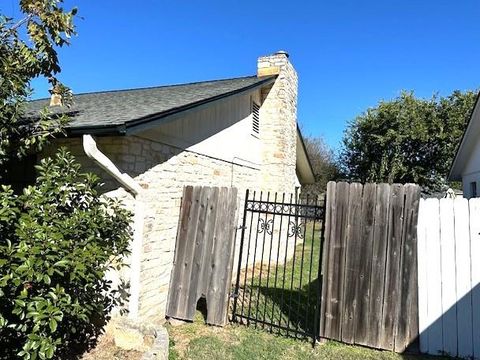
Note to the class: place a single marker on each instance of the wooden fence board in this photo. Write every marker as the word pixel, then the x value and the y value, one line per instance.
pixel 392 272
pixel 179 301
pixel 422 276
pixel 203 253
pixel 434 284
pixel 464 300
pixel 196 242
pixel 221 264
pixel 204 256
pixel 353 244
pixel 474 207
pixel 379 251
pixel 327 252
pixel 199 245
pixel 407 312
pixel 449 298
pixel 363 316
pixel 334 300
pixel 174 292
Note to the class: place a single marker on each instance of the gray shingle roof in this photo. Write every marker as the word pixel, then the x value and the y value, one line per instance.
pixel 122 108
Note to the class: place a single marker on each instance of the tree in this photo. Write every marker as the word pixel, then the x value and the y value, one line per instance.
pixel 323 163
pixel 407 140
pixel 22 58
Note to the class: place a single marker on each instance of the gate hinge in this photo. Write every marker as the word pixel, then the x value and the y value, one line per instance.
pixel 234 295
pixel 241 228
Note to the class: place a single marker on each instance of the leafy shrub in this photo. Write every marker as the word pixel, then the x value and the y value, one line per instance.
pixel 57 241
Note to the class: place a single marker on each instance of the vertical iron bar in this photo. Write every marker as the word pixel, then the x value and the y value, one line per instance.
pixel 270 259
pixel 320 280
pixel 293 267
pixel 261 261
pixel 276 264
pixel 310 272
pixel 301 268
pixel 286 254
pixel 248 256
pixel 253 264
pixel 237 283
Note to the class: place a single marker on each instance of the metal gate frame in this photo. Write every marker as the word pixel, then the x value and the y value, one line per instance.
pixel 297 214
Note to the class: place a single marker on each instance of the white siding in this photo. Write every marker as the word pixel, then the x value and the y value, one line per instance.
pixel 471 172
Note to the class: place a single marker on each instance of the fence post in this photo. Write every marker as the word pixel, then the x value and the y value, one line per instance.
pixel 239 267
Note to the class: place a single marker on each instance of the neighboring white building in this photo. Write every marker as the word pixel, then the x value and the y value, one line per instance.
pixel 466 165
pixel 239 132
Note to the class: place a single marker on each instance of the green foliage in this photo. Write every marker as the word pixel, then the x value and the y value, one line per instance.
pixel 407 140
pixel 28 49
pixel 323 163
pixel 58 240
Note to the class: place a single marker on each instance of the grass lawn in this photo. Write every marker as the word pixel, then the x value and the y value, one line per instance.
pixel 197 341
pixel 284 295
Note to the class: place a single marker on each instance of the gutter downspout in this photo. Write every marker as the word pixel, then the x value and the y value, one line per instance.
pixel 90 148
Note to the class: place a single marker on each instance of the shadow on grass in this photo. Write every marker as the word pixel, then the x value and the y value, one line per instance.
pixel 295 309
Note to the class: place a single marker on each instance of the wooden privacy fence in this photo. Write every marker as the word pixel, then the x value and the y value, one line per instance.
pixel 369 292
pixel 449 277
pixel 203 253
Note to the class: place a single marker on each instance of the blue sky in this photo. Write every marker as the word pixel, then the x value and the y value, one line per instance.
pixel 349 54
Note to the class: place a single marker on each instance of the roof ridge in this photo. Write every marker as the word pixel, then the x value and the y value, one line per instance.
pixel 154 87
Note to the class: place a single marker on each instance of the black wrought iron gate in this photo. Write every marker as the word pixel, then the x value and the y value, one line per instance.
pixel 278 279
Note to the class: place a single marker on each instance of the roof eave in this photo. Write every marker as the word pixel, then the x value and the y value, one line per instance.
pixel 153 120
pixel 309 177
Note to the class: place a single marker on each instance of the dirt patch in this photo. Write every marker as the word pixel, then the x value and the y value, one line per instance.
pixel 106 350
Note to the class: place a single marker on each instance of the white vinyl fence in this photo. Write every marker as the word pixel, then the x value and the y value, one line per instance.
pixel 449 277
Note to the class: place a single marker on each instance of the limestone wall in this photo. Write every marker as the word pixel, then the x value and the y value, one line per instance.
pixel 162 171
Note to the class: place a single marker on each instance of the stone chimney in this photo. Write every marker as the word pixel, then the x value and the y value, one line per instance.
pixel 56 100
pixel 278 122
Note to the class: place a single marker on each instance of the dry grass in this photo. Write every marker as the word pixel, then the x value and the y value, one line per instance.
pixel 106 350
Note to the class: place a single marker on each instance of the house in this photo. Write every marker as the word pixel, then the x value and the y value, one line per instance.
pixel 147 144
pixel 466 165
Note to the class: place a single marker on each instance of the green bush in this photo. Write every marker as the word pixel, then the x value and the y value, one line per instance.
pixel 57 241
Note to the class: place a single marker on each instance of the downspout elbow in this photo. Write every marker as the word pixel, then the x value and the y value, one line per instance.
pixel 90 148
